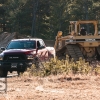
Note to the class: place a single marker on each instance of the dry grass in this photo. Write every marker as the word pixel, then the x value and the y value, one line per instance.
pixel 56 67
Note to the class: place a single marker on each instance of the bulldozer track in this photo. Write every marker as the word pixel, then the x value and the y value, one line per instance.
pixel 74 51
pixel 98 53
pixel 98 49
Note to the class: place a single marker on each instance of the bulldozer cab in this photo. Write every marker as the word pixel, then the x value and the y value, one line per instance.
pixel 77 27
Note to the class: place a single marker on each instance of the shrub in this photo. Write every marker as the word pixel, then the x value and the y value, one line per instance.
pixel 56 66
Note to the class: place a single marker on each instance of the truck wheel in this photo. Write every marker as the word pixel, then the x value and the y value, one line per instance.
pixel 20 72
pixel 3 73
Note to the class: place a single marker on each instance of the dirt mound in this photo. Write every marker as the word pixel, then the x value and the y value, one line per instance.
pixel 6 37
pixel 49 43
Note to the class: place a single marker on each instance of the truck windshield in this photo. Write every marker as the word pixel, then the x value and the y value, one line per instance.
pixel 22 45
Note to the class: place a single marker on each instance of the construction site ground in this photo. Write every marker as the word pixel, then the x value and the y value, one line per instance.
pixel 58 87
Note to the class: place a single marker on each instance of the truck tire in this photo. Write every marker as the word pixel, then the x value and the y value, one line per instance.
pixel 3 73
pixel 20 72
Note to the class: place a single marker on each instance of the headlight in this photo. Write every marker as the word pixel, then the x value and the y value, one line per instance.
pixel 1 57
pixel 29 56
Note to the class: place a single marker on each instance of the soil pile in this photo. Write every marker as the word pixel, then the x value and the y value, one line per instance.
pixel 6 37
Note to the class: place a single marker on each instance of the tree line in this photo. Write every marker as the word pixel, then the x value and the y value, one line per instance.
pixel 43 18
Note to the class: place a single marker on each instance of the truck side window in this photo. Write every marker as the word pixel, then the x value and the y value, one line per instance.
pixel 42 44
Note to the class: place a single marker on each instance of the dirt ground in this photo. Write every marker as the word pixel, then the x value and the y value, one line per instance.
pixel 60 87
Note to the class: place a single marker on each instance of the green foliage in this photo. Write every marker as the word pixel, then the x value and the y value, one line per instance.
pixel 43 18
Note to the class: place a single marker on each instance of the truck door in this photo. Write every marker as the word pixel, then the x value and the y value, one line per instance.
pixel 42 51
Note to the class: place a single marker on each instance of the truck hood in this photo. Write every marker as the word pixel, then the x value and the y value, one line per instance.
pixel 11 51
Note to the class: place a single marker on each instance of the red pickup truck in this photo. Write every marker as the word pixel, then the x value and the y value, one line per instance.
pixel 21 53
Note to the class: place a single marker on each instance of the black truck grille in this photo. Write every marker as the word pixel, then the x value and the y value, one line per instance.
pixel 17 57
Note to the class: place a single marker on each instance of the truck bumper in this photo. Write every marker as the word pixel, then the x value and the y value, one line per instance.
pixel 15 66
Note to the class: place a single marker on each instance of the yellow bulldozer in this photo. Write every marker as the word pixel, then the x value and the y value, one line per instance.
pixel 78 42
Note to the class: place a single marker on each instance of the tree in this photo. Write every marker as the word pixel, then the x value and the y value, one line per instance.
pixel 43 18
pixel 35 7
pixel 13 13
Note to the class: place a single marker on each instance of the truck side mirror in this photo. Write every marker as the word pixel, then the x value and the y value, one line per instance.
pixel 2 48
